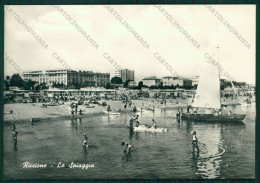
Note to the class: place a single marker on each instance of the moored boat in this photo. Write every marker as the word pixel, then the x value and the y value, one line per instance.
pixel 213 118
pixel 208 98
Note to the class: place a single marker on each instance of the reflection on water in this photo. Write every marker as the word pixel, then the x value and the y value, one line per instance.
pixel 226 150
pixel 212 146
pixel 209 161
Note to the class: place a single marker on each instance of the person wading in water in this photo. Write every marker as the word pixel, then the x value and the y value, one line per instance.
pixel 85 140
pixel 195 144
pixel 127 147
pixel 14 134
pixel 13 127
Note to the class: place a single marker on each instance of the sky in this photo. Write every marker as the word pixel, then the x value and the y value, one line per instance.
pixel 116 41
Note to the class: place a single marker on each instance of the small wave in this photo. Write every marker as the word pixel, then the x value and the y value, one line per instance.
pixel 214 156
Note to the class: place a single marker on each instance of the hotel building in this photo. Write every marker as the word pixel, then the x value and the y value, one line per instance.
pixel 67 77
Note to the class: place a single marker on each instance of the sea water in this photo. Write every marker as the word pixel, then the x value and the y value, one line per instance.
pixel 227 150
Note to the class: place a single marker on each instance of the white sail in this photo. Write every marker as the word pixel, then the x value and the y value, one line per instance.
pixel 208 90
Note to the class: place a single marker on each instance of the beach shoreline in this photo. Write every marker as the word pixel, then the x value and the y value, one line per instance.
pixel 26 111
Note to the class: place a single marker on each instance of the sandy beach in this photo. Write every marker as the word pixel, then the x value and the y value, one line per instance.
pixel 25 111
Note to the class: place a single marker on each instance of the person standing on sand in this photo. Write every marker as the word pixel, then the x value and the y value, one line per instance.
pixel 130 103
pixel 80 111
pixel 134 109
pixel 32 120
pixel 154 124
pixel 76 108
pixel 108 108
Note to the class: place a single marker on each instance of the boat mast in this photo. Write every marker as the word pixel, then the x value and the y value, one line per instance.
pixel 219 78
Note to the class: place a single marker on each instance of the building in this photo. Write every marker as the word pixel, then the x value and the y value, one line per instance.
pixel 169 81
pixel 132 84
pixel 195 80
pixel 176 81
pixel 68 77
pixel 151 81
pixel 118 73
pixel 125 74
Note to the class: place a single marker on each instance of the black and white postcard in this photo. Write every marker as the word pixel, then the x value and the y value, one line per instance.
pixel 129 92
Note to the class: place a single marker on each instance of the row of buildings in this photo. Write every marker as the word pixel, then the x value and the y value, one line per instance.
pixel 84 78
pixel 167 81
pixel 67 77
pixel 94 79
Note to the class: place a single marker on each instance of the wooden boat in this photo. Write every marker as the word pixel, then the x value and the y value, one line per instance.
pixel 213 118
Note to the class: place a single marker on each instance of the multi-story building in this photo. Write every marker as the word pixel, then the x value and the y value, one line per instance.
pixel 125 74
pixel 67 77
pixel 118 73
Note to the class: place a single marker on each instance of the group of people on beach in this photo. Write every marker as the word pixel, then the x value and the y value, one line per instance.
pixel 130 103
pixel 74 109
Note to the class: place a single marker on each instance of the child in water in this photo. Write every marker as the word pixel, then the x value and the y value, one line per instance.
pixel 127 147
pixel 85 140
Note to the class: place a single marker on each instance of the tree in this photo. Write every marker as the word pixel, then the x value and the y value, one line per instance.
pixel 7 77
pixel 154 87
pixel 140 85
pixel 6 85
pixel 16 80
pixel 108 86
pixel 116 80
pixel 28 85
pixel 126 83
pixel 41 86
pixel 58 85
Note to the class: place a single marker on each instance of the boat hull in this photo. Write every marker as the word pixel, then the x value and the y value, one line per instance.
pixel 212 118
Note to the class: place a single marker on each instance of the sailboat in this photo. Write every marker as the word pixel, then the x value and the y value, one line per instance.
pixel 208 98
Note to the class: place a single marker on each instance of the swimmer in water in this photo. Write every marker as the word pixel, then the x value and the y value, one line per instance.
pixel 127 147
pixel 195 143
pixel 85 140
